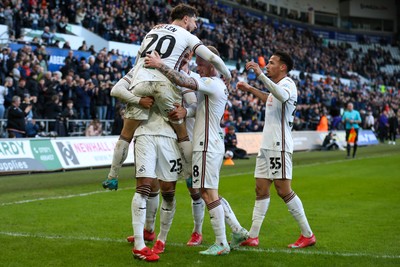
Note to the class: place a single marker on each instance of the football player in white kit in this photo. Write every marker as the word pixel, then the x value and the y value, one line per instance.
pixel 274 161
pixel 156 156
pixel 171 41
pixel 208 146
pixel 188 111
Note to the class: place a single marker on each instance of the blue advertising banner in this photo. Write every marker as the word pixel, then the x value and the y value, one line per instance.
pixel 56 55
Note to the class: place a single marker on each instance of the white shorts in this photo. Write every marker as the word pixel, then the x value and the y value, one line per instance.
pixel 206 167
pixel 157 157
pixel 272 165
pixel 165 96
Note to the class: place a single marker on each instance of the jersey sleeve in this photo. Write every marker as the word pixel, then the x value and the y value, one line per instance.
pixel 207 85
pixel 281 92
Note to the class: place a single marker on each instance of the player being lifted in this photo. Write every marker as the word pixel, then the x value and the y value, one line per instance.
pixel 171 41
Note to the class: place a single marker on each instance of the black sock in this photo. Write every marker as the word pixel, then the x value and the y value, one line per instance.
pixel 354 150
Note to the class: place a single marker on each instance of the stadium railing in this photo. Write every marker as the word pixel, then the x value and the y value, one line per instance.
pixel 71 127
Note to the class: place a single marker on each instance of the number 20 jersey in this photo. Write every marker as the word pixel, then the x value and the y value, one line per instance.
pixel 277 133
pixel 172 42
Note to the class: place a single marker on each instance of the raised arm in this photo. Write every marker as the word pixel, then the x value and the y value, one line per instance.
pixel 280 93
pixel 153 60
pixel 257 93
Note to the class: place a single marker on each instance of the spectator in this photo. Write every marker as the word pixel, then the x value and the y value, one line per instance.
pixel 323 124
pixel 383 126
pixel 84 91
pixel 94 128
pixel 34 19
pixel 393 127
pixel 9 84
pixel 53 111
pixel 118 121
pixel 31 128
pixel 47 36
pixel 3 94
pixel 231 144
pixel 69 113
pixel 101 97
pixel 369 121
pixel 16 118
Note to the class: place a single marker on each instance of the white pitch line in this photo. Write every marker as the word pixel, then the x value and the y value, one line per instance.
pixel 59 197
pixel 179 181
pixel 258 250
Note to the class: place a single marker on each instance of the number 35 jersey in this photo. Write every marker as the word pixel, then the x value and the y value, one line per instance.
pixel 277 133
pixel 171 42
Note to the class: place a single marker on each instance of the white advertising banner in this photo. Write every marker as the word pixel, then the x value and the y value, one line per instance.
pixel 87 152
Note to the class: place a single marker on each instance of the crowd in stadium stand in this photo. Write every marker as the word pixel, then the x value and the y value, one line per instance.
pixel 239 38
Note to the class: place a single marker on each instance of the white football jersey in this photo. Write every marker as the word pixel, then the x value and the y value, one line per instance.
pixel 171 42
pixel 277 133
pixel 155 125
pixel 212 96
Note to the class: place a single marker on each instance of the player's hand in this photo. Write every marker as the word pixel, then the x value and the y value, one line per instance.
pixel 243 86
pixel 153 60
pixel 253 66
pixel 178 113
pixel 146 102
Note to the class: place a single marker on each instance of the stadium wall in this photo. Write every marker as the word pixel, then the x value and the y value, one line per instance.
pixel 43 154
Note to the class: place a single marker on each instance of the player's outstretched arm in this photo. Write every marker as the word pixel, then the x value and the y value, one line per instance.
pixel 154 61
pixel 280 93
pixel 243 86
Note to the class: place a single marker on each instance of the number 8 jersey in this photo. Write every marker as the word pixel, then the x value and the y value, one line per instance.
pixel 171 42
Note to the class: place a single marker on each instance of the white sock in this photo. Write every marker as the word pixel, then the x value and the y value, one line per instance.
pixel 230 217
pixel 120 153
pixel 138 208
pixel 167 212
pixel 259 211
pixel 186 150
pixel 198 214
pixel 296 209
pixel 151 211
pixel 218 224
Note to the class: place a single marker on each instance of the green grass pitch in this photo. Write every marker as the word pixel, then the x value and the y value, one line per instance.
pixel 67 219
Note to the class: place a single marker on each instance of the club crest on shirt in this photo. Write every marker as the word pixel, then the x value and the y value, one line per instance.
pixel 142 169
pixel 207 80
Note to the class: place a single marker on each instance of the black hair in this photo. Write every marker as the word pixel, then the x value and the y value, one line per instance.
pixel 285 58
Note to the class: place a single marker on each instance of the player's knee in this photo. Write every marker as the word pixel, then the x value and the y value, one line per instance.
pixel 195 196
pixel 261 197
pixel 154 193
pixel 168 196
pixel 144 190
pixel 286 195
